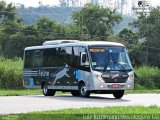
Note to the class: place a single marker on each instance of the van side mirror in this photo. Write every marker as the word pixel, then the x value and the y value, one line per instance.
pixel 84 57
pixel 84 61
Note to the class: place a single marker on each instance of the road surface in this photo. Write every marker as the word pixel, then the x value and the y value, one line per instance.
pixel 24 104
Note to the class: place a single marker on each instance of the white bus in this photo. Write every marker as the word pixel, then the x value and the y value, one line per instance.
pixel 79 67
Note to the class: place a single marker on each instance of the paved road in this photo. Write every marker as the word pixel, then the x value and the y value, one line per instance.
pixel 24 104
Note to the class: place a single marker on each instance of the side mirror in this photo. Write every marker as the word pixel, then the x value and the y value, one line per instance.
pixel 84 57
pixel 84 61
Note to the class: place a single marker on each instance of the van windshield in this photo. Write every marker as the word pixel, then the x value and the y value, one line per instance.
pixel 109 58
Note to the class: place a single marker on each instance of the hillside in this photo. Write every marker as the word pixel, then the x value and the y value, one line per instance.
pixel 60 14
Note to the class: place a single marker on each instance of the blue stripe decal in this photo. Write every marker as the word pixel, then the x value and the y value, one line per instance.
pixel 78 74
pixel 31 83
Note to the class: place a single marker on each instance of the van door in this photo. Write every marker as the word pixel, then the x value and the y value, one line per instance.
pixel 84 66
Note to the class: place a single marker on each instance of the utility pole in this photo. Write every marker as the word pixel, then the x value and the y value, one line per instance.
pixel 81 26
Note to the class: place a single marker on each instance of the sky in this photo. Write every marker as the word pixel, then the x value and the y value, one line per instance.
pixel 55 2
pixel 34 3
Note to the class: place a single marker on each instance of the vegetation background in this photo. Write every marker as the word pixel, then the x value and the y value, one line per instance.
pixel 92 22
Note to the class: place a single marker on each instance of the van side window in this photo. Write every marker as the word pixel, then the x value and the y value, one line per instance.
pixel 60 60
pixel 28 59
pixel 37 60
pixel 49 57
pixel 75 57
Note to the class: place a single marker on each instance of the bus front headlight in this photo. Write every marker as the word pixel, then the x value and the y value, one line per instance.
pixel 99 77
pixel 130 77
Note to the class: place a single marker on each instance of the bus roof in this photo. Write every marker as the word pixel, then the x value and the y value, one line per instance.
pixel 49 44
pixel 102 43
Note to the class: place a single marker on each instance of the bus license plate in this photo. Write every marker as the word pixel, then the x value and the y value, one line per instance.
pixel 116 86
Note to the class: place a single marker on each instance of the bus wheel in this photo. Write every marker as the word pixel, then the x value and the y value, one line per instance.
pixel 75 93
pixel 118 94
pixel 48 92
pixel 83 90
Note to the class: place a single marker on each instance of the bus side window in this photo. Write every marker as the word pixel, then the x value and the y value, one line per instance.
pixel 37 60
pixel 61 52
pixel 64 56
pixel 68 56
pixel 28 59
pixel 75 57
pixel 49 57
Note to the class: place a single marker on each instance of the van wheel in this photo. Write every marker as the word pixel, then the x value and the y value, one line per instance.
pixel 83 90
pixel 75 93
pixel 118 94
pixel 48 92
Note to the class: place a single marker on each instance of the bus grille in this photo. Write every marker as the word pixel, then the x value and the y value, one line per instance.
pixel 117 80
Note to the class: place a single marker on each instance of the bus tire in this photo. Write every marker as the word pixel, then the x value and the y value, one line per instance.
pixel 118 94
pixel 48 92
pixel 83 90
pixel 75 93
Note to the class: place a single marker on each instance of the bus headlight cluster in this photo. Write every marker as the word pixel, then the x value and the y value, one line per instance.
pixel 130 77
pixel 128 85
pixel 99 77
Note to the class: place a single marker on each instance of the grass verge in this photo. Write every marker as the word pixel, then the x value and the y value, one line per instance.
pixel 152 112
pixel 20 92
pixel 142 91
pixel 39 92
pixel 24 92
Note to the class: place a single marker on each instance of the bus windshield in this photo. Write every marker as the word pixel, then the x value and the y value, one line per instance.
pixel 109 58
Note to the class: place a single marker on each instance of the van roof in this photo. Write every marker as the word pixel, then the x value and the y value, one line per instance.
pixel 63 43
pixel 102 43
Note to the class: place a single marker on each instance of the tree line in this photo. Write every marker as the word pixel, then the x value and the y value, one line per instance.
pixel 92 22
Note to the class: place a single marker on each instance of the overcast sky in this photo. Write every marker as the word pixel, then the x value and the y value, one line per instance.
pixel 34 2
pixel 56 2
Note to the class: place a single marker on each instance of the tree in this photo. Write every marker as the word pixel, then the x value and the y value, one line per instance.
pixel 15 46
pixel 30 30
pixel 9 23
pixel 8 11
pixel 129 38
pixel 46 27
pixel 71 31
pixel 148 27
pixel 98 20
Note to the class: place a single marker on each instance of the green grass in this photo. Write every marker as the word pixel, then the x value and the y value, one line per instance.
pixel 142 91
pixel 24 92
pixel 39 92
pixel 79 114
pixel 20 92
pixel 107 110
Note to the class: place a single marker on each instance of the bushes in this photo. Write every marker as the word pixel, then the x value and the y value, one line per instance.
pixel 10 73
pixel 148 77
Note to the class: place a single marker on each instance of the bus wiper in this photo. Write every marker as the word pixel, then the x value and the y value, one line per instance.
pixel 108 59
pixel 106 64
pixel 121 66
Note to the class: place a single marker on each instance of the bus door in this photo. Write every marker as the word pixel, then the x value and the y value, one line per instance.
pixel 84 65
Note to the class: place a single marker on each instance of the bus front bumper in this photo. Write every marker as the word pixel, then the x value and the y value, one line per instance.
pixel 114 86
